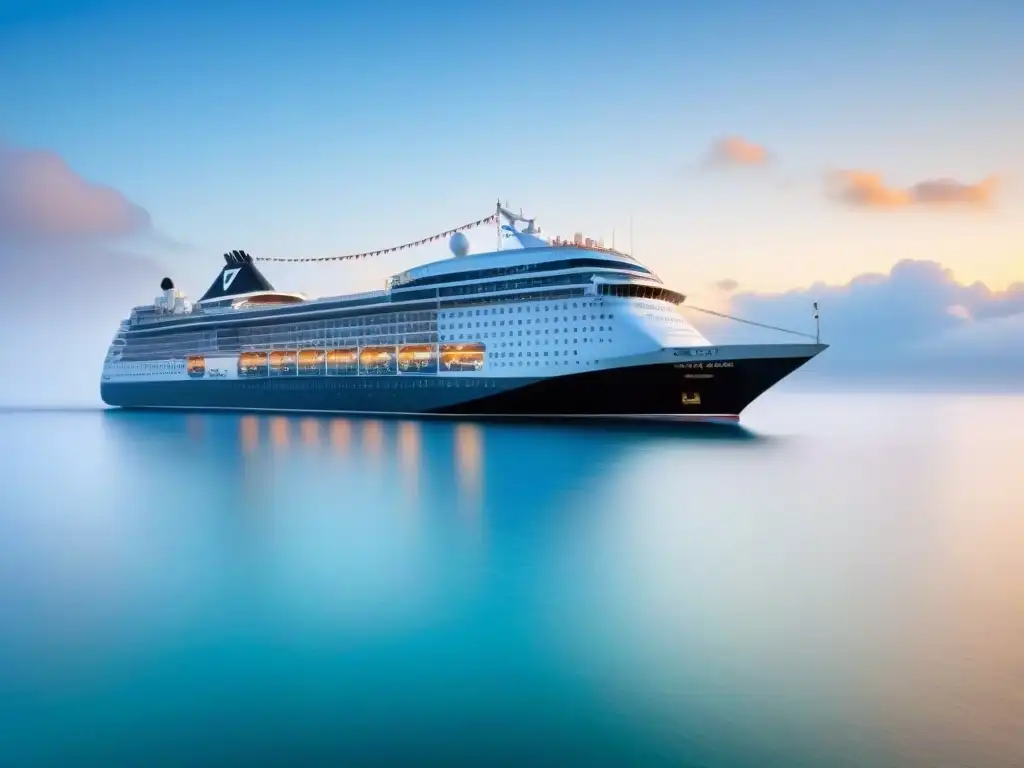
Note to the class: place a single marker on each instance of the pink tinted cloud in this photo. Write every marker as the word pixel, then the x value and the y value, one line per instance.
pixel 42 198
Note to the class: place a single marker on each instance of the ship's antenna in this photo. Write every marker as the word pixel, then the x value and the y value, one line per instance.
pixel 631 236
pixel 497 221
pixel 817 325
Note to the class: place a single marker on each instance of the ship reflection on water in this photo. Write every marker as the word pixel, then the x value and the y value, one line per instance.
pixel 309 429
pixel 469 449
pixel 249 433
pixel 341 435
pixel 409 447
pixel 447 457
pixel 373 438
pixel 386 445
pixel 280 432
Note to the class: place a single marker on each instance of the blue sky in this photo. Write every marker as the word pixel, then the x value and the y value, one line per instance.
pixel 313 129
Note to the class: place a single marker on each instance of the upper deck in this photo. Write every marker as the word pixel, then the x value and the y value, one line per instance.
pixel 434 282
pixel 519 261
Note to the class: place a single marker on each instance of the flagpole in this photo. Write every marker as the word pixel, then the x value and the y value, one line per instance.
pixel 497 221
pixel 817 325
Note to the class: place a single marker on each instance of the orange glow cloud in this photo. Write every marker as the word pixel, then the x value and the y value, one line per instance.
pixel 736 151
pixel 867 189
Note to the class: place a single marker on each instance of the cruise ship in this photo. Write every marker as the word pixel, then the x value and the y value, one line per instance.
pixel 543 328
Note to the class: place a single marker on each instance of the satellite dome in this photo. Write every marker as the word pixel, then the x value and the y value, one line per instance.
pixel 167 284
pixel 459 244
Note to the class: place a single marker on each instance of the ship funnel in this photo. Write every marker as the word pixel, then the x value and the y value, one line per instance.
pixel 238 276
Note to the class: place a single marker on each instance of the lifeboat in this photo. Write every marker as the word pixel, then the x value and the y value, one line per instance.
pixel 377 360
pixel 196 366
pixel 417 358
pixel 282 362
pixel 342 361
pixel 252 364
pixel 463 357
pixel 311 362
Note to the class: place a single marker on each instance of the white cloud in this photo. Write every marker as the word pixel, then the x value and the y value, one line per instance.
pixel 916 320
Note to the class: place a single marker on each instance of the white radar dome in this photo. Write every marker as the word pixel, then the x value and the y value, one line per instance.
pixel 459 244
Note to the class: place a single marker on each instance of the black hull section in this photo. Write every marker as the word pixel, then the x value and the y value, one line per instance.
pixel 664 390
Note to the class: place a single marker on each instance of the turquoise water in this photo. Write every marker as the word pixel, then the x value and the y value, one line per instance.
pixel 841 584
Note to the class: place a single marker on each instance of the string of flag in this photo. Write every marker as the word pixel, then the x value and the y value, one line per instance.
pixel 751 322
pixel 414 244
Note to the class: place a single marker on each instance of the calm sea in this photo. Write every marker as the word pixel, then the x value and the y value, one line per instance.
pixel 840 584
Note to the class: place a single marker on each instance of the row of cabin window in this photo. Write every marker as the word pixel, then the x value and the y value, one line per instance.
pixel 271 339
pixel 535 332
pixel 382 319
pixel 423 320
pixel 529 321
pixel 284 342
pixel 563 339
pixel 247 339
pixel 145 369
pixel 513 310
